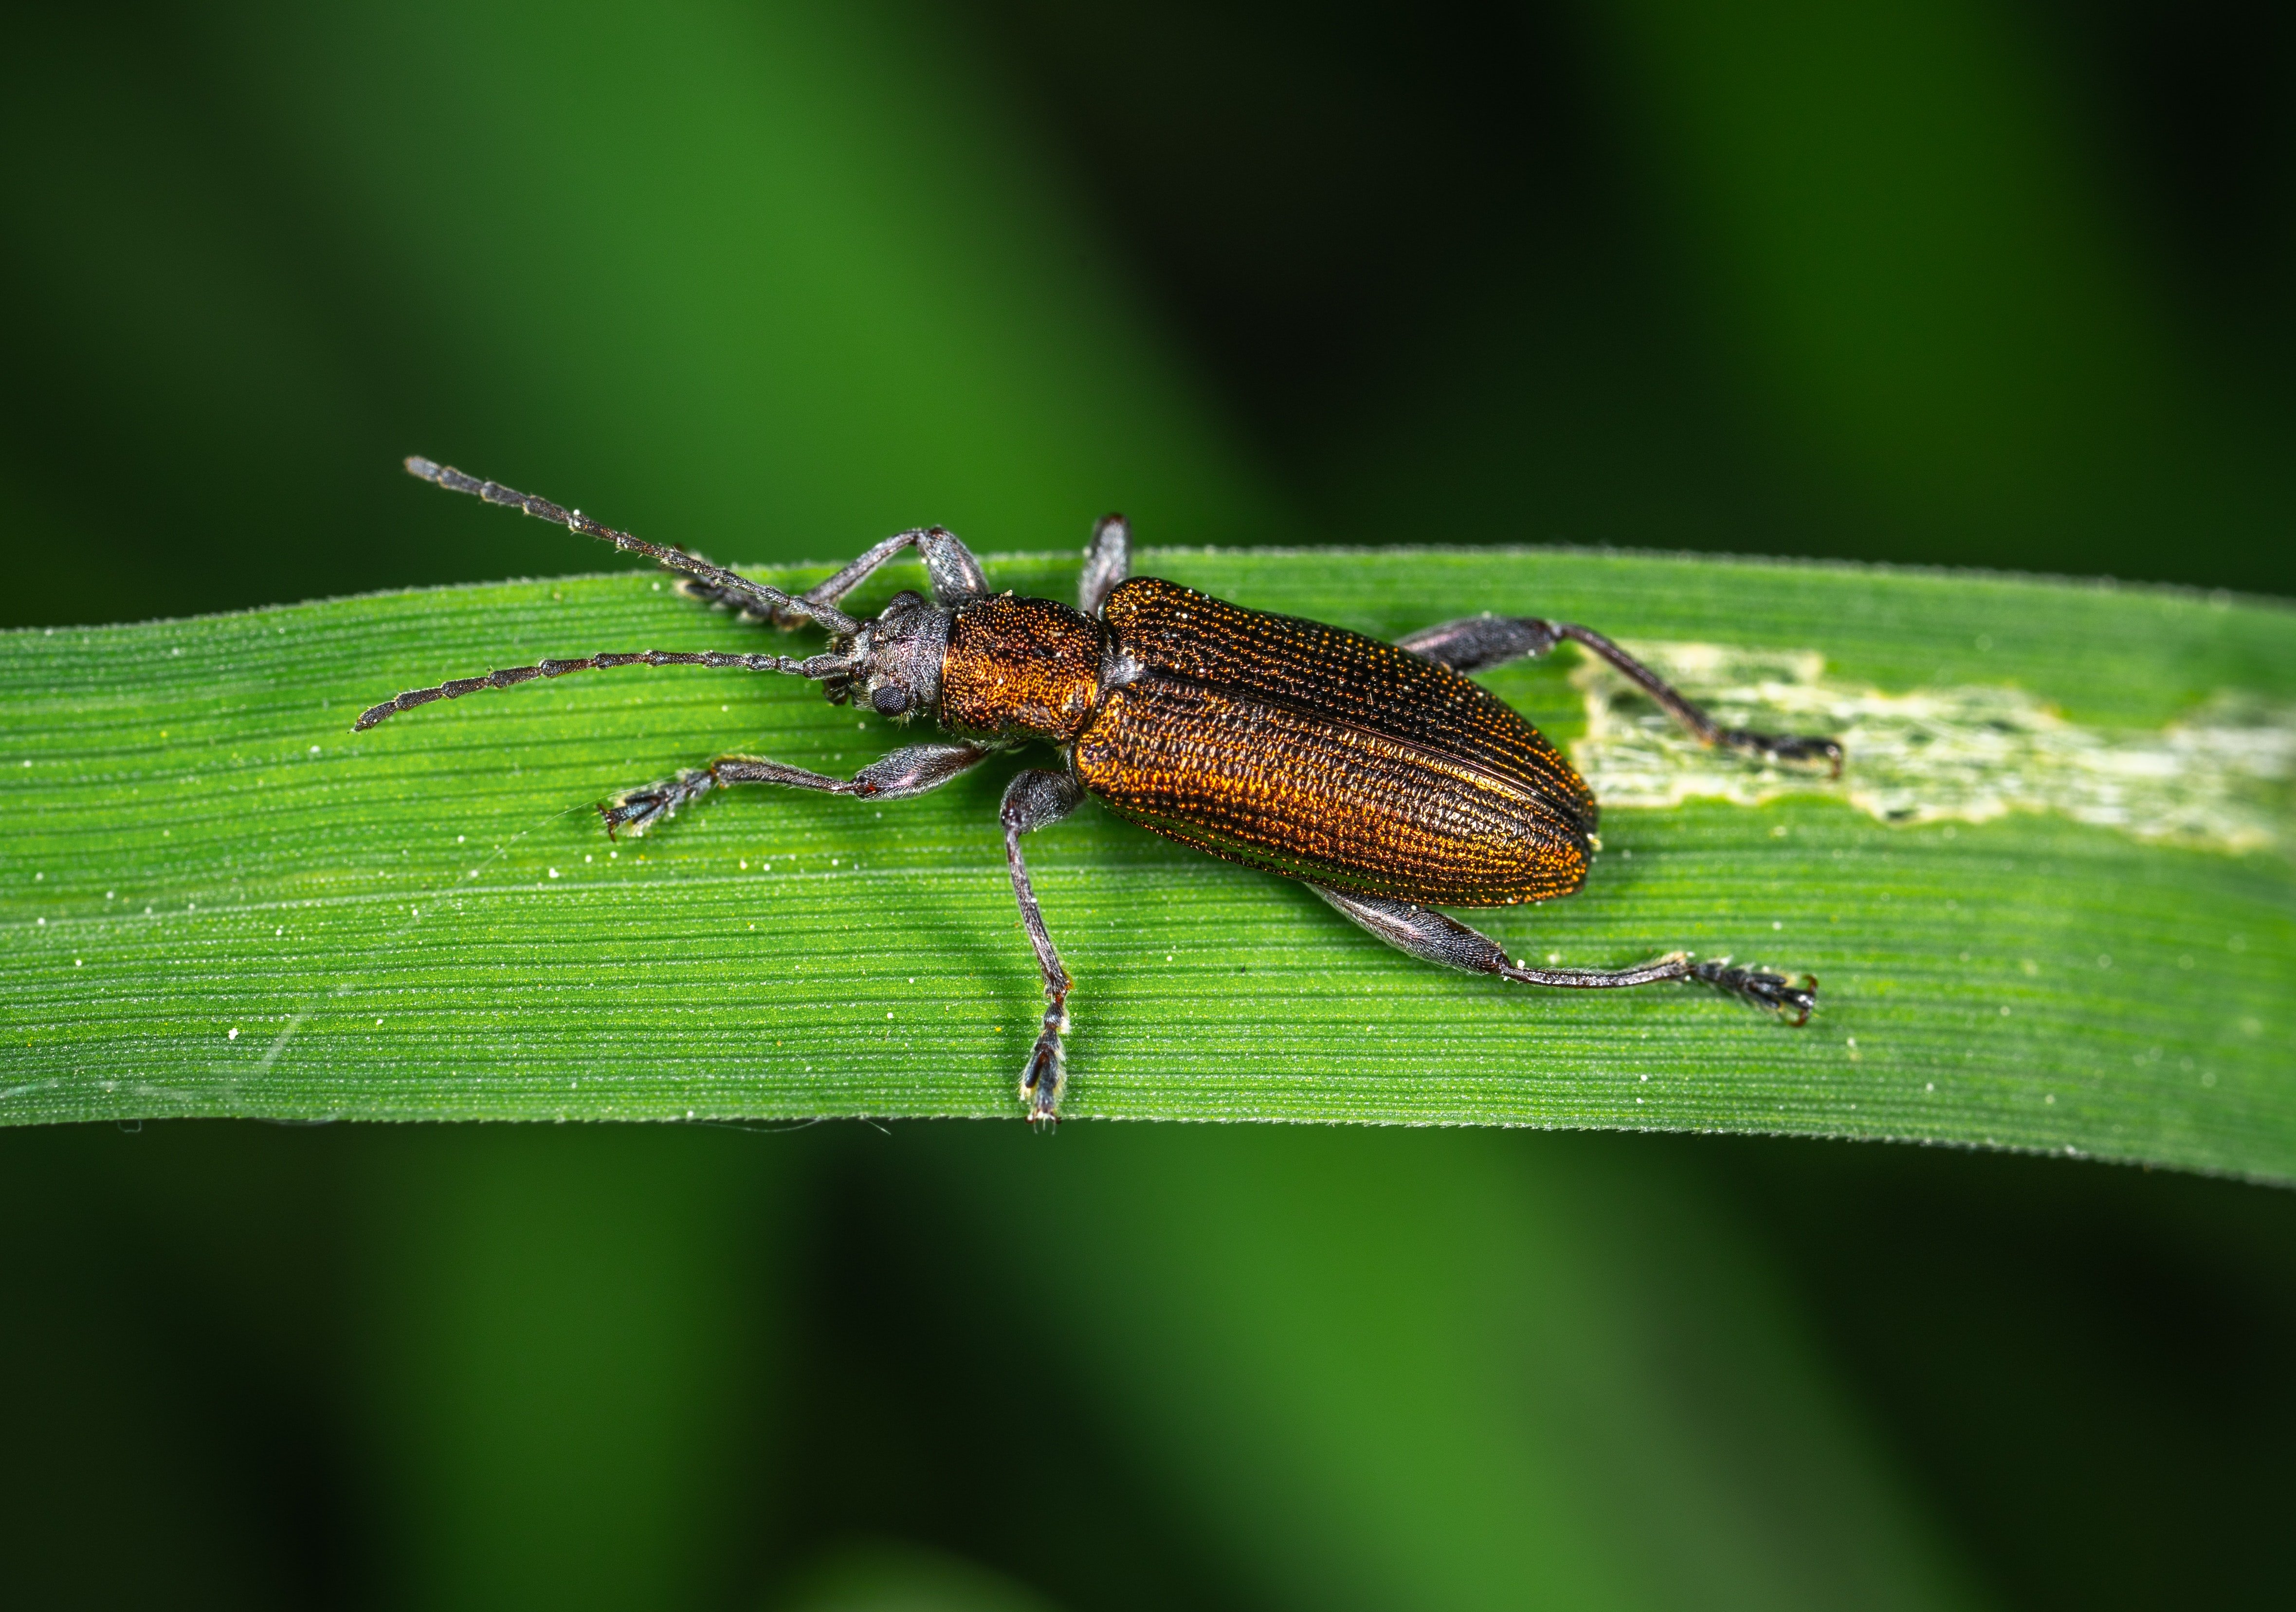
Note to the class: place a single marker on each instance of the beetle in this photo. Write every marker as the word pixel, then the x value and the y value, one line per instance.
pixel 1376 774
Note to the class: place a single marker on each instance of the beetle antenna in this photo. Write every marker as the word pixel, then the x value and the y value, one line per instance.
pixel 816 668
pixel 755 596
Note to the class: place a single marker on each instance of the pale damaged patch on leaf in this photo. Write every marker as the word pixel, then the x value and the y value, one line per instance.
pixel 2224 777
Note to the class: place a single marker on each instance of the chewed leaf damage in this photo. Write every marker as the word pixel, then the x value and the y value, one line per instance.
pixel 2224 777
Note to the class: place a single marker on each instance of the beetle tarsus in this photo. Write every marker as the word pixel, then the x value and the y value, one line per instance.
pixel 637 810
pixel 1791 748
pixel 1792 999
pixel 1046 1072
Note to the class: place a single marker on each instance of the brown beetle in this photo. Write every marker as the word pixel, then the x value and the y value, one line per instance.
pixel 1376 774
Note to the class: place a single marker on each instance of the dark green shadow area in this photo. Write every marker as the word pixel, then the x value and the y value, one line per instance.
pixel 1131 1367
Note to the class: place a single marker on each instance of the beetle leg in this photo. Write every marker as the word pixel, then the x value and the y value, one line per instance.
pixel 1769 747
pixel 1478 642
pixel 956 576
pixel 1107 561
pixel 1034 798
pixel 892 776
pixel 1424 932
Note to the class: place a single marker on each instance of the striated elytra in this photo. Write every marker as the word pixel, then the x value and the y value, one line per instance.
pixel 1376 774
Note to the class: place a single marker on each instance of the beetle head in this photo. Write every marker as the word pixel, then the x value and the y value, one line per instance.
pixel 893 662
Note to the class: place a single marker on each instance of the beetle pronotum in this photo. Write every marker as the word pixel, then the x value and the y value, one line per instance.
pixel 1376 774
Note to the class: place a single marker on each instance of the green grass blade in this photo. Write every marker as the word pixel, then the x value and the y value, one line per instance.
pixel 220 901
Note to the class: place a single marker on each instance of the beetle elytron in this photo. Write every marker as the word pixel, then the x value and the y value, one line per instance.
pixel 1376 774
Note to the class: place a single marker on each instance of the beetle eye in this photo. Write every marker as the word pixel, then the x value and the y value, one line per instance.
pixel 890 699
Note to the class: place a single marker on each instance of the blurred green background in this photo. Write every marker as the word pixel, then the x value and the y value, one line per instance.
pixel 2009 285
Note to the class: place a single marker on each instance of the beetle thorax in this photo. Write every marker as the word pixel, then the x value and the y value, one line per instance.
pixel 1020 668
